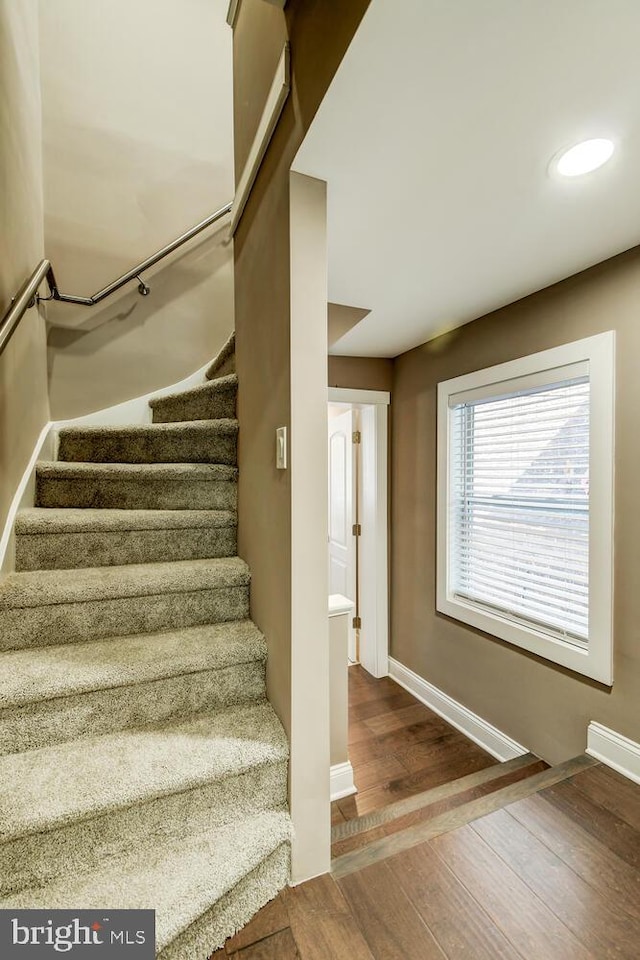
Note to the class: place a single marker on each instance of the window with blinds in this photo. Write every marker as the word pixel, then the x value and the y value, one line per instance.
pixel 525 503
pixel 519 504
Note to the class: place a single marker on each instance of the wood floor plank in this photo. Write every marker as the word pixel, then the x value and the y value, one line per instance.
pixel 377 771
pixel 533 929
pixel 600 924
pixel 272 918
pixel 397 719
pixel 278 946
pixel 453 749
pixel 615 833
pixel 348 807
pixel 390 923
pixel 369 747
pixel 398 741
pixel 397 842
pixel 431 811
pixel 337 816
pixel 372 689
pixel 408 784
pixel 322 924
pixel 612 791
pixel 348 828
pixel 382 704
pixel 458 924
pixel 359 732
pixel 612 877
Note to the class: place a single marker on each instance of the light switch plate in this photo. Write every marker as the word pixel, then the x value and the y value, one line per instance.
pixel 281 448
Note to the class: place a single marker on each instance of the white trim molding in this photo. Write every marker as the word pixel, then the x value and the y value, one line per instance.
pixel 25 496
pixel 339 605
pixel 276 99
pixel 374 555
pixel 494 741
pixel 596 357
pixel 347 395
pixel 341 780
pixel 615 751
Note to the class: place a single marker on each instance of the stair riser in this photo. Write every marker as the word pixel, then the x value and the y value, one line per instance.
pixel 71 622
pixel 73 551
pixel 235 910
pixel 28 861
pixel 159 448
pixel 136 494
pixel 216 406
pixel 105 711
pixel 223 367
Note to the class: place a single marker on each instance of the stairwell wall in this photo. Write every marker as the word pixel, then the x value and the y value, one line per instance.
pixel 24 408
pixel 138 147
pixel 268 395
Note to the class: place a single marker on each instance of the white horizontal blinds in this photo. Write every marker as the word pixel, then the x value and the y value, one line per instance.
pixel 519 505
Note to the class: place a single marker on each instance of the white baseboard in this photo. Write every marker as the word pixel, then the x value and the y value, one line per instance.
pixel 494 741
pixel 614 750
pixel 342 784
pixel 24 496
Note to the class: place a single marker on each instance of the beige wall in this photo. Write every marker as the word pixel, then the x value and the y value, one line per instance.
pixel 138 146
pixel 319 34
pixel 361 373
pixel 23 381
pixel 539 704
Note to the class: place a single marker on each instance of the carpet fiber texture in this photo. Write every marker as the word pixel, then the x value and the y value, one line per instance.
pixel 140 762
pixel 49 539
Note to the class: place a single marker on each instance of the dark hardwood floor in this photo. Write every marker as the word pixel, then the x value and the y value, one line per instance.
pixel 554 876
pixel 398 747
pixel 514 862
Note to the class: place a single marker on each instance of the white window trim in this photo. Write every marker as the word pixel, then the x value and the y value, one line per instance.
pixel 596 661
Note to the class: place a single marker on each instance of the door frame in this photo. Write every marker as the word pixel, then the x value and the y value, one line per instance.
pixel 350 587
pixel 374 517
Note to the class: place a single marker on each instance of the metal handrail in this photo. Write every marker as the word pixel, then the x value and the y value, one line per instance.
pixel 134 273
pixel 27 295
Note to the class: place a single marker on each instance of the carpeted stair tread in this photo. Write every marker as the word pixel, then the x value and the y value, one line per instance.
pixel 145 472
pixel 50 587
pixel 193 441
pixel 211 400
pixel 58 538
pixel 181 878
pixel 136 486
pixel 45 789
pixel 45 673
pixel 224 363
pixel 40 521
pixel 228 384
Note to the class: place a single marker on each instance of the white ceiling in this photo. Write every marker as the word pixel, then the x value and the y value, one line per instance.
pixel 435 139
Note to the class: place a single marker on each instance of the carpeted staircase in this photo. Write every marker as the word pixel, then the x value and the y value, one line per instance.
pixel 140 762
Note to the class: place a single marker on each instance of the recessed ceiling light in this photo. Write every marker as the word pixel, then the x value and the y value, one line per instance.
pixel 583 157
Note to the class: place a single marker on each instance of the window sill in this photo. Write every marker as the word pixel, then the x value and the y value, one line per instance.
pixel 593 661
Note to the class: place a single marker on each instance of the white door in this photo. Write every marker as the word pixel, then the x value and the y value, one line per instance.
pixel 342 543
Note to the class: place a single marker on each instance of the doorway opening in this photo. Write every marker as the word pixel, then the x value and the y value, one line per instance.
pixel 358 519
